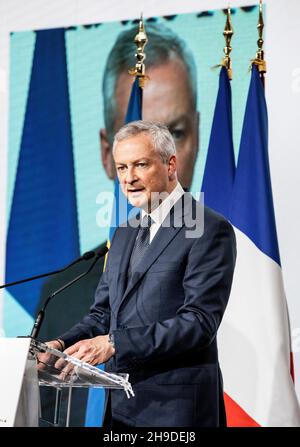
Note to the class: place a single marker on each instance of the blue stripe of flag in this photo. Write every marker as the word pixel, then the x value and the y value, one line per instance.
pixel 219 170
pixel 121 206
pixel 43 229
pixel 252 205
pixel 134 109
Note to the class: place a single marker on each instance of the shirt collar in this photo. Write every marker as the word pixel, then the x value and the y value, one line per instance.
pixel 161 212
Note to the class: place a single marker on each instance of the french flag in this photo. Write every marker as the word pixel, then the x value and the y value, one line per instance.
pixel 254 337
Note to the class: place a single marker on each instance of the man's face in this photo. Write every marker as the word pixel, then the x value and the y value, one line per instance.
pixel 167 98
pixel 142 172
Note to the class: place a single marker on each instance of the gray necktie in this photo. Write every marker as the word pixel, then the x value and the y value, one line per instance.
pixel 141 243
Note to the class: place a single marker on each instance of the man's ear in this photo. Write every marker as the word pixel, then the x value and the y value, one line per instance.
pixel 106 155
pixel 172 167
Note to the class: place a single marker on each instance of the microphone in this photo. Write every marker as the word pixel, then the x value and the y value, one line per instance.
pixel 39 319
pixel 85 257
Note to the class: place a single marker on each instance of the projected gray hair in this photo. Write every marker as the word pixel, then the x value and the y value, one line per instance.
pixel 163 45
pixel 159 134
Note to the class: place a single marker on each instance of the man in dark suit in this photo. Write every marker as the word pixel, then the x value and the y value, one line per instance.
pixel 169 97
pixel 162 296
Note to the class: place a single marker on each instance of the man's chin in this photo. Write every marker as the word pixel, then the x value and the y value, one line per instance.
pixel 138 203
pixel 138 200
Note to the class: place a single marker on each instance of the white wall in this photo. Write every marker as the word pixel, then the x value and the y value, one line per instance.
pixel 283 95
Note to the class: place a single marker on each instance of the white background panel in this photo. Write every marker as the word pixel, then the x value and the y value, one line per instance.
pixel 283 94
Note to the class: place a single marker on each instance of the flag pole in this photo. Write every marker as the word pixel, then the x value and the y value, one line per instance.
pixel 260 56
pixel 228 33
pixel 140 40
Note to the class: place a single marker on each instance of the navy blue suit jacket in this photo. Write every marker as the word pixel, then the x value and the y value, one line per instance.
pixel 165 322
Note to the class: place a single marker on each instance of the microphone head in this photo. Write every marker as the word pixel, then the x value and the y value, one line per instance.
pixel 88 255
pixel 102 251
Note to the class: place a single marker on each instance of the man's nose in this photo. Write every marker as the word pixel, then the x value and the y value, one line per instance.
pixel 130 175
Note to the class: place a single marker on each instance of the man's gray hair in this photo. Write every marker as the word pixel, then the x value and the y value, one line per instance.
pixel 159 134
pixel 163 45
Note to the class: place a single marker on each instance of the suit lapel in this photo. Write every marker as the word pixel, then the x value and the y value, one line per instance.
pixel 157 246
pixel 161 240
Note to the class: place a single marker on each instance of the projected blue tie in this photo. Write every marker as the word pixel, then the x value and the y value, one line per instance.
pixel 43 229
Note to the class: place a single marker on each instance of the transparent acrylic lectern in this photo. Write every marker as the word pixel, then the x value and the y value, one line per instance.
pixel 51 374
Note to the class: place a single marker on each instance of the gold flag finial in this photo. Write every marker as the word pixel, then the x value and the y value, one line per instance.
pixel 140 40
pixel 260 56
pixel 228 33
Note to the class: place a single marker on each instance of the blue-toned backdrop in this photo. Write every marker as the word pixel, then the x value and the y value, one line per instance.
pixel 86 52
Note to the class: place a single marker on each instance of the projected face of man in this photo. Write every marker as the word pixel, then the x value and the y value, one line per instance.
pixel 167 98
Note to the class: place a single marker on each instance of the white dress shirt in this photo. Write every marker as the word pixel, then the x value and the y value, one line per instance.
pixel 161 212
